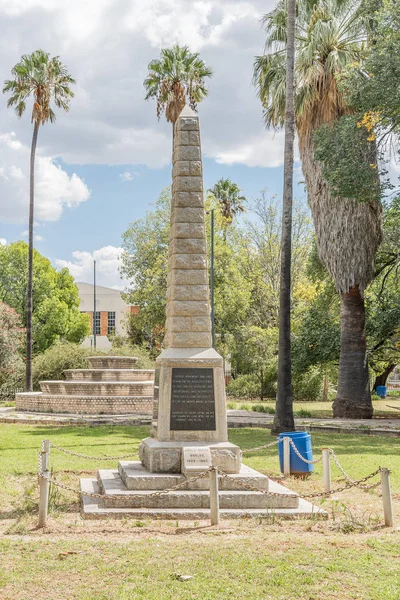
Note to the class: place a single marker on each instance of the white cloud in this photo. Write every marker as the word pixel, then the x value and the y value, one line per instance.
pixel 109 121
pixel 108 260
pixel 3 242
pixel 55 190
pixel 127 176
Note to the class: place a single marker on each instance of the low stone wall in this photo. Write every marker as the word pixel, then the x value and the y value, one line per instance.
pixel 120 405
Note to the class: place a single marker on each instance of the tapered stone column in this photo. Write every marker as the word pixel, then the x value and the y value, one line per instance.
pixel 189 402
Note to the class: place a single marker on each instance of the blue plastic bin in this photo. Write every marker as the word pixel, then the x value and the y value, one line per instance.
pixel 302 440
pixel 381 391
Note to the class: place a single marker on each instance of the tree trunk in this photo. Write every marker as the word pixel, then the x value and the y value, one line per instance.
pixel 353 400
pixel 284 420
pixel 383 377
pixel 28 371
pixel 348 234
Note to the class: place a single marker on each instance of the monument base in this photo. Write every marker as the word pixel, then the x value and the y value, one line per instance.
pixel 166 457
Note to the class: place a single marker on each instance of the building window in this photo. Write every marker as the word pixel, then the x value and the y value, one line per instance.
pixel 111 323
pixel 96 328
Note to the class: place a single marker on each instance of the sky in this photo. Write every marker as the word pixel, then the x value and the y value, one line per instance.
pixel 103 164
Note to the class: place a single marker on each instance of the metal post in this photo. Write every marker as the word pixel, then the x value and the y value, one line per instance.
pixel 44 484
pixel 326 469
pixel 387 498
pixel 214 498
pixel 212 279
pixel 286 456
pixel 94 304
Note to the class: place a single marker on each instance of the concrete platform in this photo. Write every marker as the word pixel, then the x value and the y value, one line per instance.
pixel 98 388
pixel 109 374
pixel 136 477
pixel 93 508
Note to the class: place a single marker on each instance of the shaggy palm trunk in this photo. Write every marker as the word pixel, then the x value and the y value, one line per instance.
pixel 353 400
pixel 348 235
pixel 28 371
pixel 283 420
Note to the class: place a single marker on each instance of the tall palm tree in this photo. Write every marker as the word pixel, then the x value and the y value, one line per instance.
pixel 175 78
pixel 330 35
pixel 45 79
pixel 229 196
pixel 284 419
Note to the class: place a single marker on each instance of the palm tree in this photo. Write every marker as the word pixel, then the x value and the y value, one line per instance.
pixel 229 196
pixel 330 35
pixel 45 79
pixel 284 420
pixel 178 76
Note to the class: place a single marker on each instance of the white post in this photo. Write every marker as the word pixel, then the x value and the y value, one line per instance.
pixel 44 485
pixel 286 456
pixel 214 498
pixel 326 468
pixel 387 498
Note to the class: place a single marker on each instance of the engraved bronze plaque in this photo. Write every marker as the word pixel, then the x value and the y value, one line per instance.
pixel 192 400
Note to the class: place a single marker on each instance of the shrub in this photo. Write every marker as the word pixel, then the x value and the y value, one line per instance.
pixel 302 413
pixel 52 363
pixel 244 386
pixel 125 349
pixel 308 386
pixel 264 409
pixel 11 343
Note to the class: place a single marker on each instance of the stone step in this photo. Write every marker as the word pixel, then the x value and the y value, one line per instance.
pixel 112 362
pixel 109 374
pixel 111 484
pixel 99 388
pixel 93 508
pixel 84 405
pixel 136 477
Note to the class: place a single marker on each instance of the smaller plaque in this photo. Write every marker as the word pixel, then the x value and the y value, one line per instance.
pixel 195 459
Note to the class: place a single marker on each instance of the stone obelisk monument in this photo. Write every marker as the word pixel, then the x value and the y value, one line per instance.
pixel 189 402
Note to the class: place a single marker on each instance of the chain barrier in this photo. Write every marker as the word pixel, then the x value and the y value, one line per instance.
pixel 349 479
pixel 308 462
pixel 179 486
pixel 351 482
pixel 313 495
pixel 92 457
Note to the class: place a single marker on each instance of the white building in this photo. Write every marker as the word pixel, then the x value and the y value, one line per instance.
pixel 112 313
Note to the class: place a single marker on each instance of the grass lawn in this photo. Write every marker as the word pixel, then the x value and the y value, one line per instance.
pixel 322 409
pixel 348 556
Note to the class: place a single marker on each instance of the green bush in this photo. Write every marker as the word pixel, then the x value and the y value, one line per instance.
pixel 264 409
pixel 308 386
pixel 144 359
pixel 52 363
pixel 302 413
pixel 244 386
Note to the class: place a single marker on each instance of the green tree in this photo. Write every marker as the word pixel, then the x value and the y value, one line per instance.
pixel 230 199
pixel 45 79
pixel 56 300
pixel 329 37
pixel 176 77
pixel 11 342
